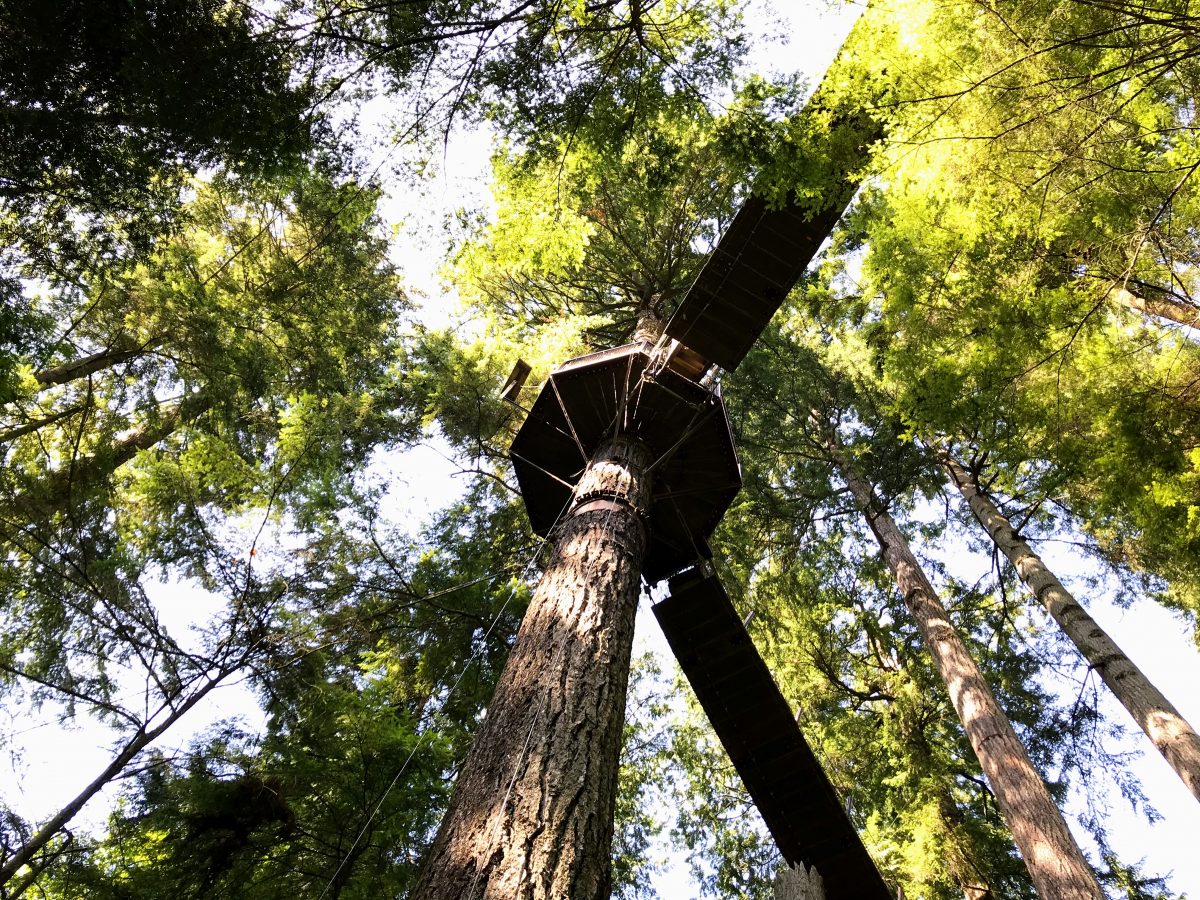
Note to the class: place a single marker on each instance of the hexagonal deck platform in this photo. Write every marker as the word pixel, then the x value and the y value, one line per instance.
pixel 593 398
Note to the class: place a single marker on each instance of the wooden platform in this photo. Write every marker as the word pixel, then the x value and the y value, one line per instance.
pixel 756 727
pixel 593 398
pixel 747 277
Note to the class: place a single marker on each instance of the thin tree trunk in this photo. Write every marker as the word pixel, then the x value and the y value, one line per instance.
pixel 532 813
pixel 57 487
pixel 1055 862
pixel 29 427
pixel 1170 733
pixel 90 364
pixel 35 871
pixel 1162 305
pixel 141 739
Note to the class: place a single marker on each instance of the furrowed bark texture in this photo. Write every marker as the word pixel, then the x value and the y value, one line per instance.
pixel 649 327
pixel 531 817
pixel 798 883
pixel 1055 862
pixel 1170 732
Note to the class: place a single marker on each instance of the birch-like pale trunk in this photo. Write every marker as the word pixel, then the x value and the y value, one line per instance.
pixel 531 816
pixel 1052 856
pixel 1172 735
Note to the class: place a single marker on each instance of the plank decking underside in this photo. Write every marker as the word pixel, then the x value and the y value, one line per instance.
pixel 760 734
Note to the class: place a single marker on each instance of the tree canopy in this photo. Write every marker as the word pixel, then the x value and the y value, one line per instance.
pixel 212 374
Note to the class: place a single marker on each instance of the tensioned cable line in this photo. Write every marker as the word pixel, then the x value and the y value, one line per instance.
pixel 523 755
pixel 421 739
pixel 454 687
pixel 508 791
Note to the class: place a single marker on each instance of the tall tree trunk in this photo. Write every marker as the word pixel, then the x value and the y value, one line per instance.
pixel 1055 862
pixel 1170 733
pixel 532 813
pixel 1162 305
pixel 649 326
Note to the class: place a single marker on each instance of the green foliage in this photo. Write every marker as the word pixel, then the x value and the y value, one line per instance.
pixel 105 105
pixel 271 318
pixel 372 679
pixel 827 619
pixel 541 70
pixel 602 73
pixel 876 711
pixel 1032 171
pixel 645 760
pixel 602 232
pixel 728 852
pixel 199 372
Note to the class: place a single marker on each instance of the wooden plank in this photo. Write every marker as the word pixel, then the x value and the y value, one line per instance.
pixel 747 277
pixel 766 746
pixel 546 460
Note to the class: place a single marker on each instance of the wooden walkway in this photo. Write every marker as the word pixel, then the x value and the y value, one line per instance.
pixel 760 734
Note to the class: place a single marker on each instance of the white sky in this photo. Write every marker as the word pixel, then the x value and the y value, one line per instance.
pixel 49 763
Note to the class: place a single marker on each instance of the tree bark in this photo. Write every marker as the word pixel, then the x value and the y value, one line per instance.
pixel 798 883
pixel 649 326
pixel 1169 731
pixel 1055 862
pixel 1162 306
pixel 37 424
pixel 531 816
pixel 35 871
pixel 58 487
pixel 87 365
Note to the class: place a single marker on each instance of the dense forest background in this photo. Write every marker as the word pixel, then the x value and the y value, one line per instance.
pixel 221 395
